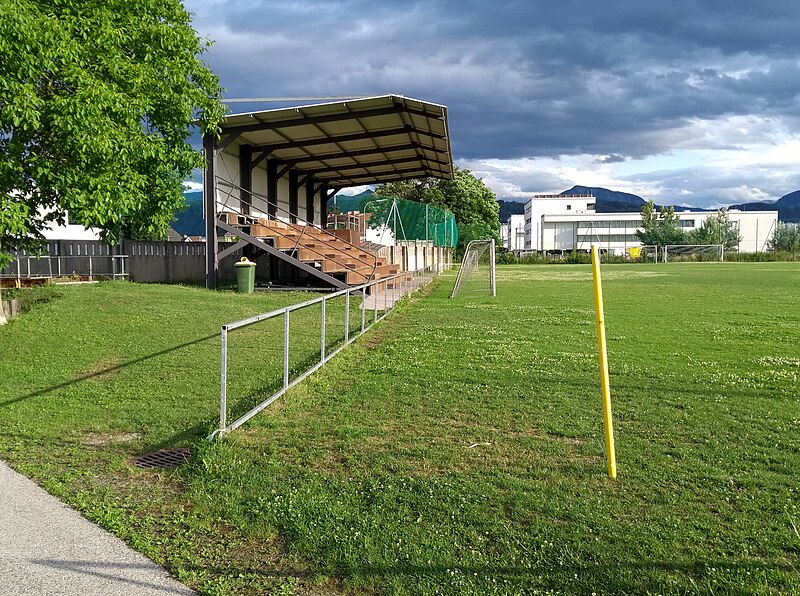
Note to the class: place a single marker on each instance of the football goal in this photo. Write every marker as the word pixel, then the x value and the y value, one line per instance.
pixel 693 252
pixel 477 271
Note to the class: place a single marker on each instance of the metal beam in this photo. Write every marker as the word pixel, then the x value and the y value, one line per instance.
pixel 381 180
pixel 293 196
pixel 227 141
pixel 358 153
pixel 245 179
pixel 309 184
pixel 307 120
pixel 231 249
pixel 386 162
pixel 360 136
pixel 258 159
pixel 272 187
pixel 377 175
pixel 281 255
pixel 282 172
pixel 210 201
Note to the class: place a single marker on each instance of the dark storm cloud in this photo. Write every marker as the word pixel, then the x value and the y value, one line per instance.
pixel 610 159
pixel 525 78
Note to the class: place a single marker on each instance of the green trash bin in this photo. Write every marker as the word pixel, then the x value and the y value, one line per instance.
pixel 245 276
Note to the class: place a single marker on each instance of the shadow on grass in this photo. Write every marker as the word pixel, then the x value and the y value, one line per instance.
pixel 106 371
pixel 607 576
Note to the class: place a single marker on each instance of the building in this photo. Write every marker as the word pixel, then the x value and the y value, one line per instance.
pixel 563 223
pixel 514 233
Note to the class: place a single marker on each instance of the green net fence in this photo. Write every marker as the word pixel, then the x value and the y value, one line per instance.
pixel 408 220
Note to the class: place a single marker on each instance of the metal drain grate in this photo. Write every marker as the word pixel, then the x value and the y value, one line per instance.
pixel 163 458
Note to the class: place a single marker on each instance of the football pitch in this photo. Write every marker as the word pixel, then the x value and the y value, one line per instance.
pixel 458 447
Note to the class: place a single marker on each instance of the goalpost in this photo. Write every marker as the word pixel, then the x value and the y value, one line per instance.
pixel 694 252
pixel 478 261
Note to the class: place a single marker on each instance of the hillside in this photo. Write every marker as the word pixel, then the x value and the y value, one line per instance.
pixel 509 208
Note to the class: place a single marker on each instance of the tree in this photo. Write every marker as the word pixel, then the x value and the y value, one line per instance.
pixel 786 238
pixel 96 102
pixel 473 204
pixel 660 227
pixel 717 229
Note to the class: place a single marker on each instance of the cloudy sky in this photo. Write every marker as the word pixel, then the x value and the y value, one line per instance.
pixel 691 102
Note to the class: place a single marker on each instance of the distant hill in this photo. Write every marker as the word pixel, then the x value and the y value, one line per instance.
pixel 788 207
pixel 189 222
pixel 509 208
pixel 349 203
pixel 609 201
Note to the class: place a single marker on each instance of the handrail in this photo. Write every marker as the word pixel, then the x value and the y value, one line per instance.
pixel 403 284
pixel 373 264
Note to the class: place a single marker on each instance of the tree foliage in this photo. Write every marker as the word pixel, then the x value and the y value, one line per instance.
pixel 786 238
pixel 660 227
pixel 473 204
pixel 716 229
pixel 96 102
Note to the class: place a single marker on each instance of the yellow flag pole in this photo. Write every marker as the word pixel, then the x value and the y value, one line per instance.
pixel 608 423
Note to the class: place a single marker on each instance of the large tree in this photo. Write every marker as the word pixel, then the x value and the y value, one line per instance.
pixel 473 204
pixel 786 238
pixel 660 227
pixel 717 229
pixel 96 102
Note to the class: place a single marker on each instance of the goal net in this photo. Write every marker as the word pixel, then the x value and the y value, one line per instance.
pixel 477 271
pixel 693 252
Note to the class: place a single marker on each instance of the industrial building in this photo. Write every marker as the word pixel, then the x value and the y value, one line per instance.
pixel 563 223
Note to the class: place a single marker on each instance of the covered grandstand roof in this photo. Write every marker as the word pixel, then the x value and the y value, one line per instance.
pixel 348 143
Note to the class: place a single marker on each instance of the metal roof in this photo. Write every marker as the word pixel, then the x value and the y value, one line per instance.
pixel 348 143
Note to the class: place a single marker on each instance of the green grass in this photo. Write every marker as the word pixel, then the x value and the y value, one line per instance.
pixel 456 449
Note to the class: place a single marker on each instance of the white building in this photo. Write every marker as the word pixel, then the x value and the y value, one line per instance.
pixel 562 223
pixel 514 233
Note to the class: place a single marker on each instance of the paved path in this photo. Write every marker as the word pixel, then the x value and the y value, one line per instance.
pixel 48 548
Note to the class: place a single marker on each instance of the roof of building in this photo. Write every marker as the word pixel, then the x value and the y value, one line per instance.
pixel 348 143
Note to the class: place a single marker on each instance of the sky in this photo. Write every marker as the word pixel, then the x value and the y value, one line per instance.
pixel 695 103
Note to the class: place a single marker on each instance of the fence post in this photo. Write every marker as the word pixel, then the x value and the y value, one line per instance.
pixel 90 268
pixel 286 350
pixel 322 334
pixel 363 308
pixel 347 316
pixel 223 391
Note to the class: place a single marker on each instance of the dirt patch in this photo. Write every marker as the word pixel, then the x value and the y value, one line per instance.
pixel 101 370
pixel 104 439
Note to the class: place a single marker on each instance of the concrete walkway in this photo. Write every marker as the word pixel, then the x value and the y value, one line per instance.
pixel 48 548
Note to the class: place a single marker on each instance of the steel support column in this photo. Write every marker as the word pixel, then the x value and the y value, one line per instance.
pixel 272 187
pixel 293 192
pixel 323 206
pixel 310 200
pixel 210 205
pixel 245 178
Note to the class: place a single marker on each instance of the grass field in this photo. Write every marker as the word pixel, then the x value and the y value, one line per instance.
pixel 456 449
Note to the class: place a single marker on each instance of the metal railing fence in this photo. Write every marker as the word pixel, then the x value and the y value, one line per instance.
pixel 25 267
pixel 378 297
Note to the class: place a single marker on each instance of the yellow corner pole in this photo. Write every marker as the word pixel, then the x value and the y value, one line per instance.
pixel 608 423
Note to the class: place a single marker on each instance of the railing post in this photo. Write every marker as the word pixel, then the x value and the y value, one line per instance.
pixel 363 308
pixel 322 334
pixel 375 301
pixel 223 381
pixel 347 316
pixel 286 349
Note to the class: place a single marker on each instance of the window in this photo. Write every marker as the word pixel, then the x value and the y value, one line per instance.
pixel 569 207
pixel 687 223
pixel 590 207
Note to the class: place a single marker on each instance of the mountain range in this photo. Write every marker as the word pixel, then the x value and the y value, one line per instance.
pixel 612 201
